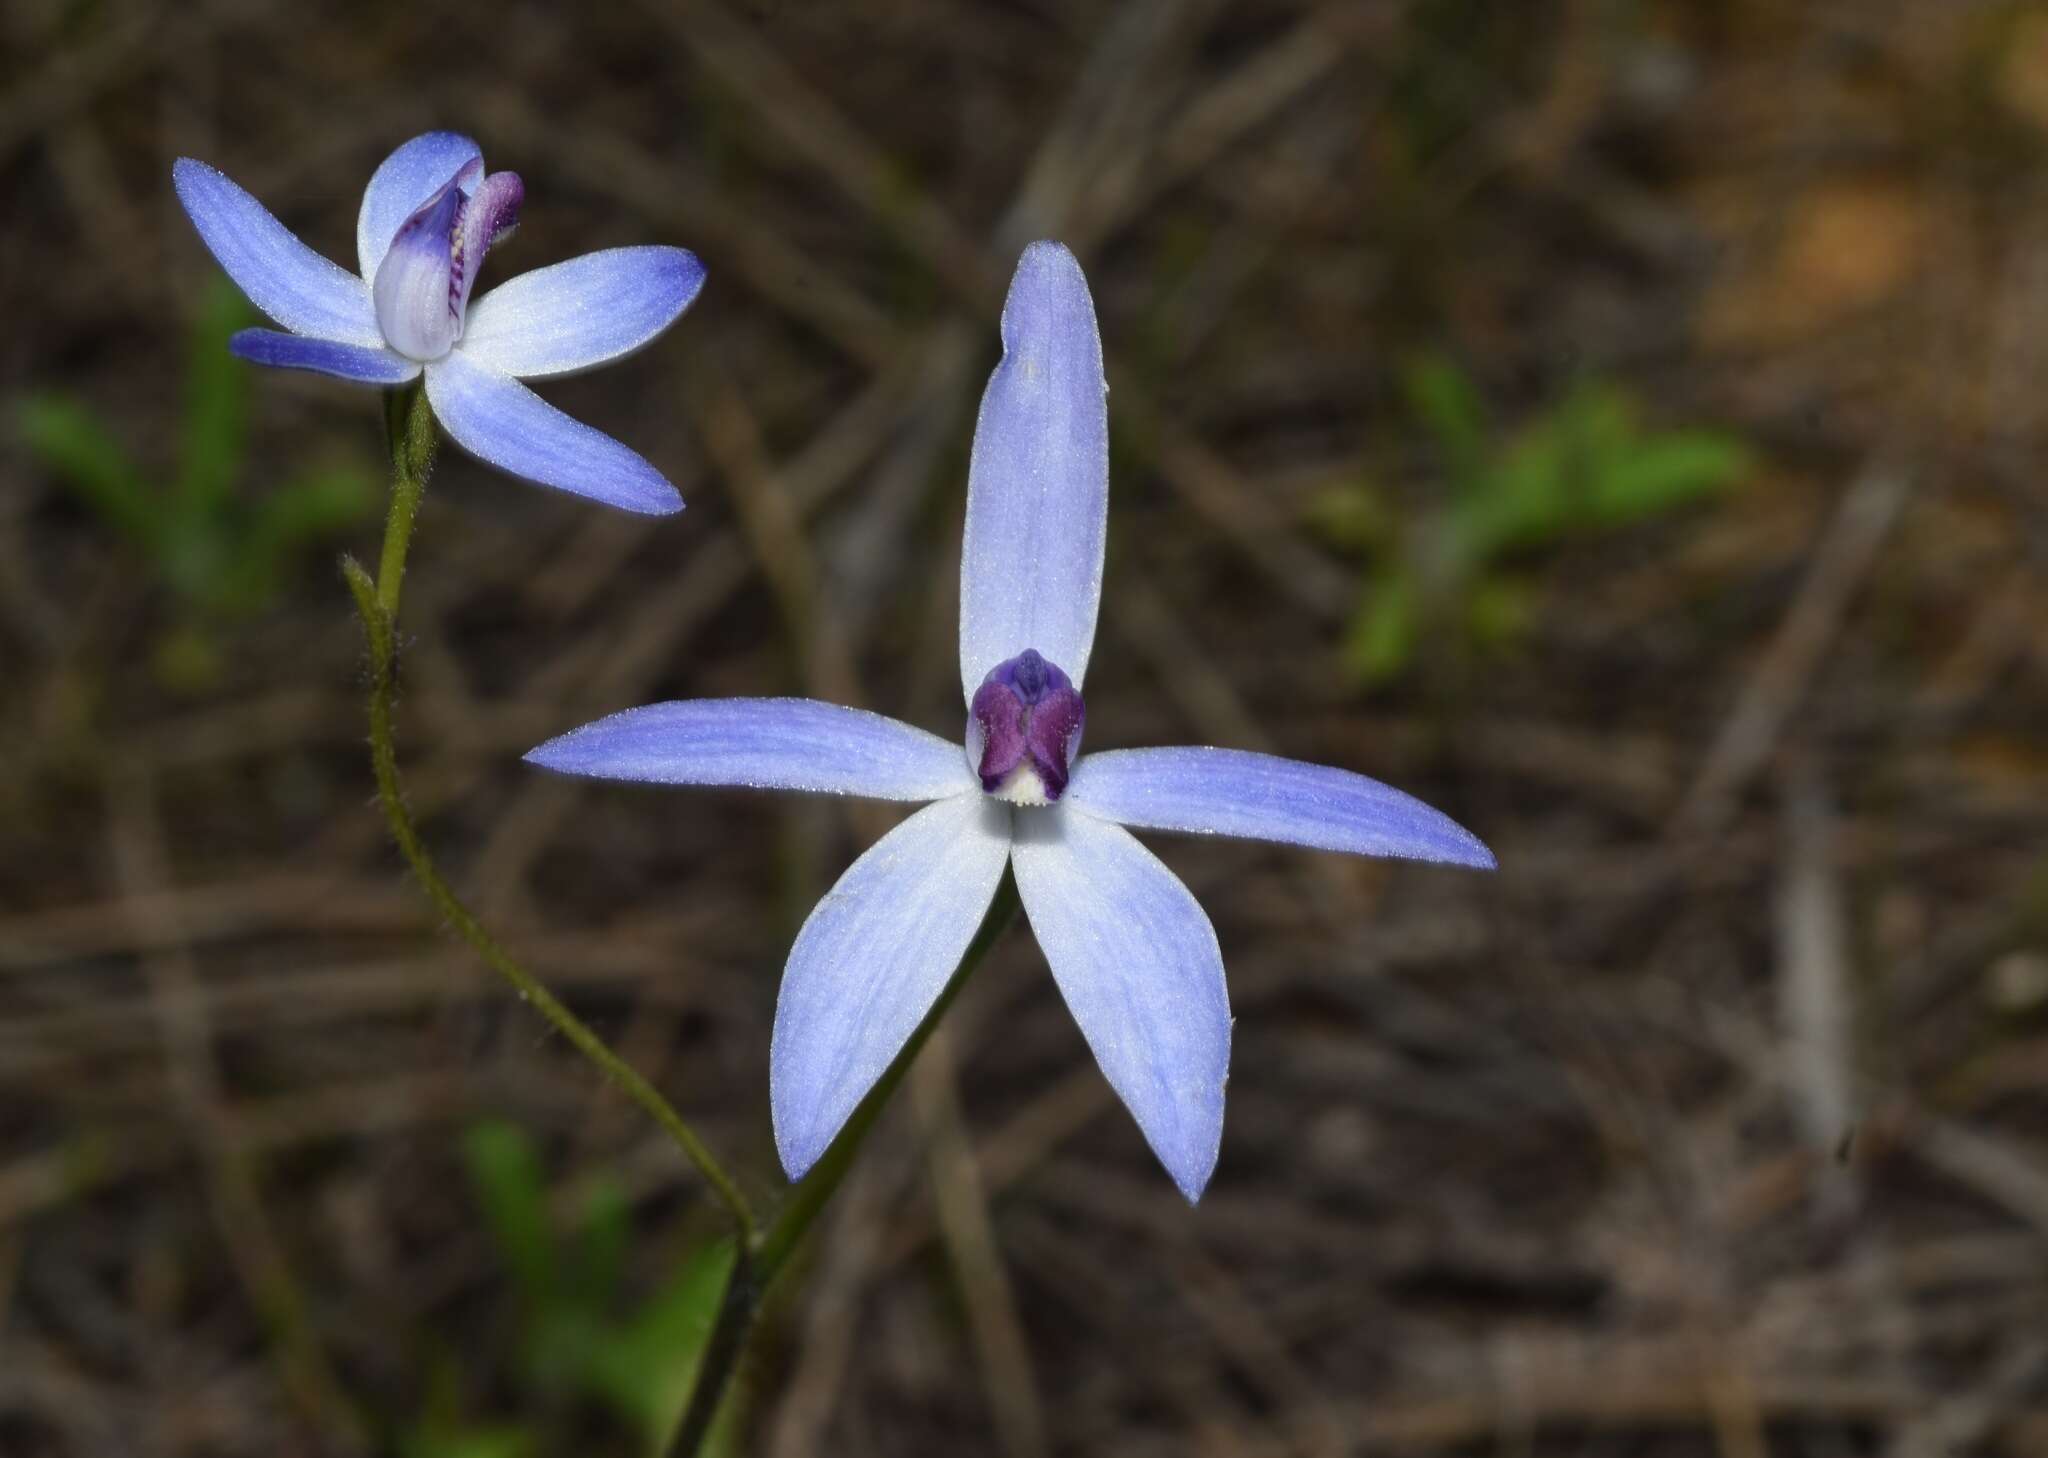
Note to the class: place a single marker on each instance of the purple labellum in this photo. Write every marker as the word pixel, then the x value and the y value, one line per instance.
pixel 1023 730
pixel 423 285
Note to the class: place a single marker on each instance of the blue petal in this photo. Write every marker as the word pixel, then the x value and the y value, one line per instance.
pixel 871 960
pixel 763 744
pixel 401 186
pixel 1264 797
pixel 501 422
pixel 1038 483
pixel 585 312
pixel 1138 964
pixel 282 276
pixel 378 366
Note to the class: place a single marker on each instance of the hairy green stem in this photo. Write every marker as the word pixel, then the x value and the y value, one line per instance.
pixel 413 441
pixel 409 426
pixel 760 1260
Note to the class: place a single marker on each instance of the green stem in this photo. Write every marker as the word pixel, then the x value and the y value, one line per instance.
pixel 413 442
pixel 762 1259
pixel 409 426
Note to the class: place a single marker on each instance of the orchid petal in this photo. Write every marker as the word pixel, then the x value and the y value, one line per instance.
pixel 870 962
pixel 401 186
pixel 1264 797
pixel 365 366
pixel 501 422
pixel 585 312
pixel 763 744
pixel 1137 961
pixel 1038 482
pixel 282 276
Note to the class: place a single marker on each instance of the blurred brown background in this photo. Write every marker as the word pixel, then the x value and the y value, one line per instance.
pixel 1716 1123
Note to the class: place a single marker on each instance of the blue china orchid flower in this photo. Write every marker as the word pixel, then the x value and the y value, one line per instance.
pixel 429 216
pixel 1132 951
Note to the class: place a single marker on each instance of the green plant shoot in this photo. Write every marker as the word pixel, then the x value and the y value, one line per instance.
pixel 218 551
pixel 1586 465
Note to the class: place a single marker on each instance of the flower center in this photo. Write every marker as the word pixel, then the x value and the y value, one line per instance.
pixel 1023 730
pixel 422 287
